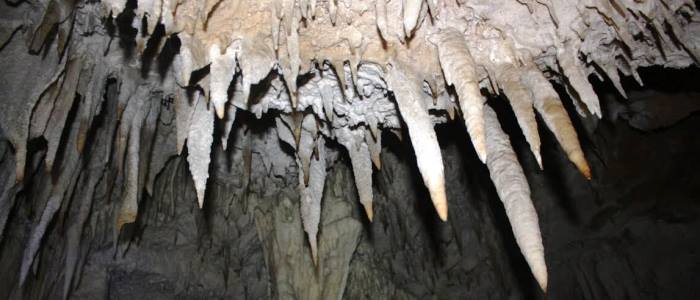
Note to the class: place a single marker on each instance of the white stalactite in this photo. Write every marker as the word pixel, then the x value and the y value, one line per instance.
pixel 199 141
pixel 547 103
pixel 521 101
pixel 508 177
pixel 574 72
pixel 311 196
pixel 409 98
pixel 411 13
pixel 460 70
pixel 222 69
pixel 353 141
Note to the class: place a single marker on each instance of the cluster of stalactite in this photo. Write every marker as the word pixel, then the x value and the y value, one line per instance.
pixel 327 70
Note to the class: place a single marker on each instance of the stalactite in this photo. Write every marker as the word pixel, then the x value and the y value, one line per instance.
pixel 223 67
pixel 460 70
pixel 199 141
pixel 547 103
pixel 411 12
pixel 573 71
pixel 361 162
pixel 409 99
pixel 512 188
pixel 311 195
pixel 521 101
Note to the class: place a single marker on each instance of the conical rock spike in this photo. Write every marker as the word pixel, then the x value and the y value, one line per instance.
pixel 275 23
pixel 611 71
pixel 521 101
pixel 294 59
pixel 228 124
pixel 222 70
pixel 192 57
pixel 284 132
pixel 433 8
pixel 130 202
pixel 307 143
pixel 312 7
pixel 451 111
pixel 409 94
pixel 311 196
pixel 199 141
pixel 304 8
pixel 339 67
pixel 255 60
pixel 681 35
pixel 297 119
pixel 411 12
pixel 374 143
pixel 432 85
pixel 460 70
pixel 549 106
pixel 512 187
pixel 327 99
pixel 63 104
pixel 361 162
pixel 37 234
pixel 183 116
pixel 333 10
pixel 380 16
pixel 577 78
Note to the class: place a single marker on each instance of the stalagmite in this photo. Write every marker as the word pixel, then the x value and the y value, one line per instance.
pixel 409 99
pixel 548 105
pixel 513 189
pixel 199 143
pixel 460 70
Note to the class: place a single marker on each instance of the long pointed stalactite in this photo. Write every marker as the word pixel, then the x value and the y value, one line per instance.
pixel 336 70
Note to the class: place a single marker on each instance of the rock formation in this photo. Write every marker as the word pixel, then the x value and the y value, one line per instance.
pixel 100 99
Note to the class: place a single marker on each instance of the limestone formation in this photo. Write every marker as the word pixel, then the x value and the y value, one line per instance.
pixel 319 71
